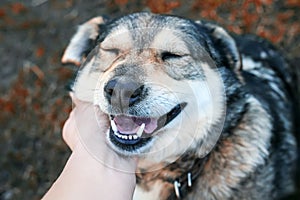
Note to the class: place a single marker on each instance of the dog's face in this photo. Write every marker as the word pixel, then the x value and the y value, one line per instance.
pixel 156 77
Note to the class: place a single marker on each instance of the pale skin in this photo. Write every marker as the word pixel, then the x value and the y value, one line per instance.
pixel 85 176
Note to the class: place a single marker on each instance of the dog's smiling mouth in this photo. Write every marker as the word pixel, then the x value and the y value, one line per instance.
pixel 131 132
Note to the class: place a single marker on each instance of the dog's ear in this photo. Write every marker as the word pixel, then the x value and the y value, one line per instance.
pixel 223 47
pixel 83 41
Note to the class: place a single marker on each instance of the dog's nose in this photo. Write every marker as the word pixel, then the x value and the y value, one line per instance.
pixel 123 93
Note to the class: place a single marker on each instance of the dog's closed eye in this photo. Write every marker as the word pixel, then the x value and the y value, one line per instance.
pixel 106 57
pixel 113 50
pixel 166 55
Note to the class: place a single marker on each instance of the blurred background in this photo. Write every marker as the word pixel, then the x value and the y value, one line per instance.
pixel 33 101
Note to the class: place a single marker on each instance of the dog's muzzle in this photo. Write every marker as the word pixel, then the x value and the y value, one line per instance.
pixel 130 132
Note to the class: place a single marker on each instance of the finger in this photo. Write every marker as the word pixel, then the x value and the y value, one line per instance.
pixel 75 100
pixel 70 132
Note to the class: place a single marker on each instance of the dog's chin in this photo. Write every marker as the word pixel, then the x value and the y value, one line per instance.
pixel 133 135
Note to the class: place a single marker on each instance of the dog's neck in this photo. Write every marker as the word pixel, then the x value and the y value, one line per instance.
pixel 177 177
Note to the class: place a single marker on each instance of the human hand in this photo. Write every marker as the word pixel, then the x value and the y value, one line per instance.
pixel 83 113
pixel 86 129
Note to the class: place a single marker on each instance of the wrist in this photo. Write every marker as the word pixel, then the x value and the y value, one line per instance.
pixel 112 171
pixel 86 178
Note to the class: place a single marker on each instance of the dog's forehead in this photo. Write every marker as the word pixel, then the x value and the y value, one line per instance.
pixel 145 30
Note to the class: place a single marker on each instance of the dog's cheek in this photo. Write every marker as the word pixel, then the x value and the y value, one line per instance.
pixel 86 83
pixel 184 69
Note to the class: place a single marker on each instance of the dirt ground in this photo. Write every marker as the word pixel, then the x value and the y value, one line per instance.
pixel 34 103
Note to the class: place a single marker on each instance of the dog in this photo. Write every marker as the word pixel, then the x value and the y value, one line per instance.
pixel 208 113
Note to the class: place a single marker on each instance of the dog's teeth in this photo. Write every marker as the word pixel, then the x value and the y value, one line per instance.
pixel 135 137
pixel 141 129
pixel 113 126
pixel 130 137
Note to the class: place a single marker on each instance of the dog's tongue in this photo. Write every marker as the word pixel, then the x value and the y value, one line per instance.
pixel 130 125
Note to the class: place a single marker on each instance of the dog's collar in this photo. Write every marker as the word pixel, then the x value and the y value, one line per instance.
pixel 183 184
pixel 178 177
